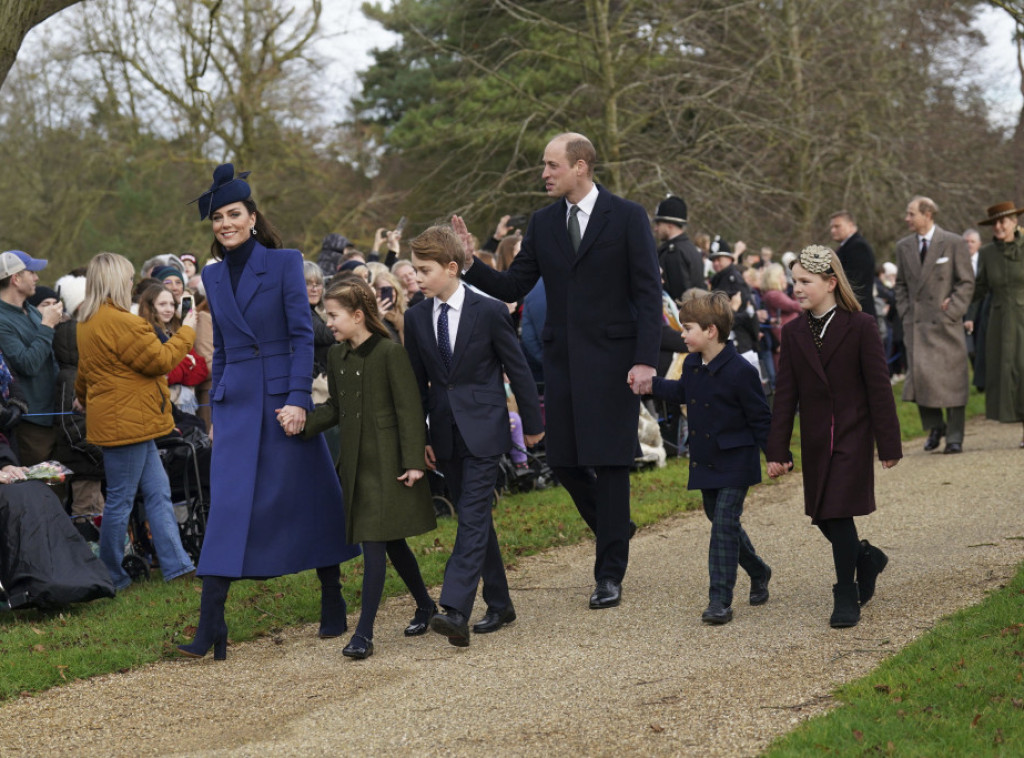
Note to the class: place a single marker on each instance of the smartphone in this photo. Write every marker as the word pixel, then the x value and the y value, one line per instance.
pixel 186 305
pixel 387 293
pixel 518 222
pixel 401 224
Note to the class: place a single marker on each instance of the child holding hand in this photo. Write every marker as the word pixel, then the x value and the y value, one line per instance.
pixel 374 399
pixel 832 367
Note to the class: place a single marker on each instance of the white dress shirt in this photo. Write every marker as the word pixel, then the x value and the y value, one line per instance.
pixel 586 206
pixel 455 303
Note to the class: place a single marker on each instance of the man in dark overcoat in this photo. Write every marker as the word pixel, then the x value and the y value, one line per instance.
pixel 934 286
pixel 857 257
pixel 596 254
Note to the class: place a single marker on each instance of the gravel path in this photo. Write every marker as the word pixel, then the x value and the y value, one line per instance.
pixel 644 678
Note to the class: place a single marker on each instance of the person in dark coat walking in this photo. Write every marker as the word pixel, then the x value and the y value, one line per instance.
pixel 857 257
pixel 680 260
pixel 832 368
pixel 601 338
pixel 276 503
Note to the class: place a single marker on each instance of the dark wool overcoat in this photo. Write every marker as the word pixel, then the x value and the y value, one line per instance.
pixel 275 501
pixel 603 317
pixel 846 409
pixel 374 400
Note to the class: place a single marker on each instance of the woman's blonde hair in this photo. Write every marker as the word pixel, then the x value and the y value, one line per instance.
pixel 774 277
pixel 823 262
pixel 387 279
pixel 109 277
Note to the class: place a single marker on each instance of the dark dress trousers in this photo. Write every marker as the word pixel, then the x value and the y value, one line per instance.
pixel 469 431
pixel 603 317
pixel 858 261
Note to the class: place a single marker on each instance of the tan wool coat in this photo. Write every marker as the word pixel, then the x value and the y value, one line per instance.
pixel 937 374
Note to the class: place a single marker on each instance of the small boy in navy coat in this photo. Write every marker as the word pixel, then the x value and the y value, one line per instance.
pixel 729 419
pixel 460 343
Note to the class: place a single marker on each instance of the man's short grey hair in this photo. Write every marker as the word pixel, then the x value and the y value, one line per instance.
pixel 925 205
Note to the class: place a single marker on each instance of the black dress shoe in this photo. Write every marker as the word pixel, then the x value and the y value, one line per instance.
pixel 933 439
pixel 759 588
pixel 953 447
pixel 494 620
pixel 607 594
pixel 452 625
pixel 358 647
pixel 420 622
pixel 717 613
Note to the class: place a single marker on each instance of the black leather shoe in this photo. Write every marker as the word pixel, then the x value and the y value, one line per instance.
pixel 933 439
pixel 607 594
pixel 359 647
pixel 420 622
pixel 953 447
pixel 452 625
pixel 494 620
pixel 717 613
pixel 759 588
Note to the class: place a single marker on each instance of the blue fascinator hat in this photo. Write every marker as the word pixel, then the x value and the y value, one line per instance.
pixel 226 189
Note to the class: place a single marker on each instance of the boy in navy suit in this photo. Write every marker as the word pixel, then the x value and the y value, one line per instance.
pixel 460 343
pixel 729 420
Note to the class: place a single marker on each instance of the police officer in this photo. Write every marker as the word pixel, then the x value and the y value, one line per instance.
pixel 679 258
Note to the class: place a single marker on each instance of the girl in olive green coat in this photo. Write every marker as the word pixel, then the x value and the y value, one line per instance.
pixel 375 402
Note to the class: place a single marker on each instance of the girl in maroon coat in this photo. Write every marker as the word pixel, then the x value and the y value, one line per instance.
pixel 833 368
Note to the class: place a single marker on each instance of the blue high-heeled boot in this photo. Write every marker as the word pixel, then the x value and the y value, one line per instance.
pixel 213 630
pixel 333 611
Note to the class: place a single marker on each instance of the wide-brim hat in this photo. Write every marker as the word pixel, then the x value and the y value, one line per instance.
pixel 1000 210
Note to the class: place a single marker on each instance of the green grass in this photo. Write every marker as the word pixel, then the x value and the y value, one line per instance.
pixel 956 691
pixel 142 625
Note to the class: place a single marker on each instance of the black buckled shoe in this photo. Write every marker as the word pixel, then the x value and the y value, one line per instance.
pixel 494 620
pixel 717 613
pixel 759 588
pixel 420 622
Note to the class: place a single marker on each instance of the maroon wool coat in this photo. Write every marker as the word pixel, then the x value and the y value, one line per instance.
pixel 846 408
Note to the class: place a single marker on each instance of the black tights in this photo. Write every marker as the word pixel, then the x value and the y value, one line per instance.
pixel 842 533
pixel 374 570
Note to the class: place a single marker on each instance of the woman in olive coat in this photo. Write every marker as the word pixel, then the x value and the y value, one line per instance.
pixel 375 402
pixel 1001 272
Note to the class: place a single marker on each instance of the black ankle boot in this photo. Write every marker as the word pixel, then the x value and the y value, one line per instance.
pixel 870 563
pixel 846 611
pixel 213 630
pixel 333 621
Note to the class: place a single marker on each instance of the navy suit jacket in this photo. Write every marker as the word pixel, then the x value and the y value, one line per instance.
pixel 728 417
pixel 471 395
pixel 603 317
pixel 858 261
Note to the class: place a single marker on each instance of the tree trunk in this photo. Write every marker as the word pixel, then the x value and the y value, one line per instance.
pixel 17 17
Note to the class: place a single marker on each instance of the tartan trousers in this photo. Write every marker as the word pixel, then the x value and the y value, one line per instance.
pixel 730 546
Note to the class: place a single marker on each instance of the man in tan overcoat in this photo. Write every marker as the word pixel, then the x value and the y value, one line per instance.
pixel 934 285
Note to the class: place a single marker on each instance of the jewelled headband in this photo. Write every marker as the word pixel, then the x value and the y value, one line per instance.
pixel 816 259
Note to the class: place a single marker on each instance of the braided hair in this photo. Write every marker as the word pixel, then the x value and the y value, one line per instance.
pixel 353 294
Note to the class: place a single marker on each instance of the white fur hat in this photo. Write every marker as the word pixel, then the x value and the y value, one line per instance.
pixel 72 291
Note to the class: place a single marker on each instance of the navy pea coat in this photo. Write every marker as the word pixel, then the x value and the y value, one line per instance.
pixel 728 417
pixel 275 501
pixel 603 317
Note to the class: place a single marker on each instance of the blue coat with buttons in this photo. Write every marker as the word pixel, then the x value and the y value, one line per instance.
pixel 728 418
pixel 275 501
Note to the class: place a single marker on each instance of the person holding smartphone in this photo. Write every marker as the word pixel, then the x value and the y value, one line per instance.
pixel 391 239
pixel 391 304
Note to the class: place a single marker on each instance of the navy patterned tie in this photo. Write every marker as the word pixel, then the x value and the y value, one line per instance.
pixel 444 343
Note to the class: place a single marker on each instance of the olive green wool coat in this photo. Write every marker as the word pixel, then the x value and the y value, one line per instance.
pixel 1001 272
pixel 374 400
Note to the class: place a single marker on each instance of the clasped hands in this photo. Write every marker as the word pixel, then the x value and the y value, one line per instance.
pixel 292 419
pixel 640 379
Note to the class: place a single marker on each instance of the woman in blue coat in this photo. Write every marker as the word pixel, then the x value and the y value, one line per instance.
pixel 276 504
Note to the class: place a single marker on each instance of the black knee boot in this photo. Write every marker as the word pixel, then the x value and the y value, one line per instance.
pixel 213 630
pixel 333 622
